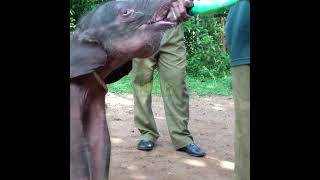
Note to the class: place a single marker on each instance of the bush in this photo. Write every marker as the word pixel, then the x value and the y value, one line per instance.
pixel 207 59
pixel 80 7
pixel 72 21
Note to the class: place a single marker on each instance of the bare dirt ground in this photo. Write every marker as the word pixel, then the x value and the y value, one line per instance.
pixel 211 124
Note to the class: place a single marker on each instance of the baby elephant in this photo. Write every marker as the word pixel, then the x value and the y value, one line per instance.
pixel 104 40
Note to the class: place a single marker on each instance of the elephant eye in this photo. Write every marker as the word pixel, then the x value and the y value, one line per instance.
pixel 126 12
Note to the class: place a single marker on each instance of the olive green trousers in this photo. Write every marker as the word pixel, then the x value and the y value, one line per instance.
pixel 171 64
pixel 241 94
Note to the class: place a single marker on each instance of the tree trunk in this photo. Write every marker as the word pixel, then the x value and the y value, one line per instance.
pixel 223 40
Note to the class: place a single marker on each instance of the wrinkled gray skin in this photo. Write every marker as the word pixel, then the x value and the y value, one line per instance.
pixel 118 29
pixel 105 39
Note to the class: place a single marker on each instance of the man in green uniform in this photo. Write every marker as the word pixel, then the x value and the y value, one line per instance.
pixel 171 64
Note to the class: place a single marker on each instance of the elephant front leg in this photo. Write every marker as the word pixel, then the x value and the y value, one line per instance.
pixel 79 155
pixel 98 137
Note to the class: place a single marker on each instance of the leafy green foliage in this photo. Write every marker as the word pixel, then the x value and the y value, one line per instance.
pixel 72 21
pixel 207 58
pixel 80 7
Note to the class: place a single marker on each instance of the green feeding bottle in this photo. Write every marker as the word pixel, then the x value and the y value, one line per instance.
pixel 209 6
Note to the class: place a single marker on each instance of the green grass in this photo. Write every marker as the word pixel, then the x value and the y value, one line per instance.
pixel 221 86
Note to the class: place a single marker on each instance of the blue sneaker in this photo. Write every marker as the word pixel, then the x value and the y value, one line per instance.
pixel 145 145
pixel 193 150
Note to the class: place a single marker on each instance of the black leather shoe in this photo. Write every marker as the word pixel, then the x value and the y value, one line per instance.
pixel 145 145
pixel 193 150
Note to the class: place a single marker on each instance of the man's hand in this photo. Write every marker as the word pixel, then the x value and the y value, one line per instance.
pixel 178 12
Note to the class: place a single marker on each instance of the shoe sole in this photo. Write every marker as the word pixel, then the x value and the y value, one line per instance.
pixel 196 155
pixel 144 149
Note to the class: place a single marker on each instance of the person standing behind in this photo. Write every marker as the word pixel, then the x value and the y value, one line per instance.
pixel 238 44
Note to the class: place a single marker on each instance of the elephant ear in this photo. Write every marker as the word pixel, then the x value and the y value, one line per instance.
pixel 118 73
pixel 86 51
pixel 85 58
